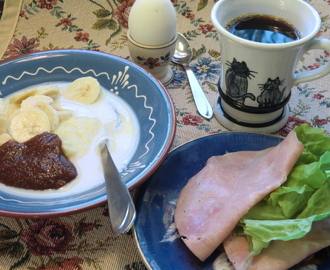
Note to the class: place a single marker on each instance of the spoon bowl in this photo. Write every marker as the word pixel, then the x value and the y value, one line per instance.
pixel 183 55
pixel 183 52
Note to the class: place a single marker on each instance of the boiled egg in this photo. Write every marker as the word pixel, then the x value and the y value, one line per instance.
pixel 152 22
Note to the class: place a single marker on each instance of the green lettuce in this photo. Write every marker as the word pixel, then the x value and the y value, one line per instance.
pixel 288 212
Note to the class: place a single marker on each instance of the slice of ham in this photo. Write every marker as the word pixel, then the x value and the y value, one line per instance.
pixel 215 199
pixel 279 255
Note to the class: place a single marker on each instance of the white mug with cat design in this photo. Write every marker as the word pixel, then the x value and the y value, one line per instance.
pixel 261 43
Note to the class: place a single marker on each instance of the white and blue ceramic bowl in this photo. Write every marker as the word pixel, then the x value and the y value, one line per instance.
pixel 147 97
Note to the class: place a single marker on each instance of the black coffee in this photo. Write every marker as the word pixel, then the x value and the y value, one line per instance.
pixel 263 29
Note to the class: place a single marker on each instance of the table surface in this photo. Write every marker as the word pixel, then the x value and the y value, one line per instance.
pixel 86 241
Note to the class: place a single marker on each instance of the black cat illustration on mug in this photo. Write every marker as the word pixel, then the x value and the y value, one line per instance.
pixel 237 76
pixel 236 79
pixel 271 93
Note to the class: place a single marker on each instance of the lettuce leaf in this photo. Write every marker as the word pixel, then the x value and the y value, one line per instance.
pixel 288 212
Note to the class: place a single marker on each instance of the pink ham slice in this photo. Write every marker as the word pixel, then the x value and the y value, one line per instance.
pixel 279 255
pixel 214 200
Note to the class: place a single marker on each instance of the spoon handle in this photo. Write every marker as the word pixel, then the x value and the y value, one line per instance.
pixel 121 206
pixel 202 104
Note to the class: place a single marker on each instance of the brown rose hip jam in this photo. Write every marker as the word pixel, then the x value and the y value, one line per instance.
pixel 38 163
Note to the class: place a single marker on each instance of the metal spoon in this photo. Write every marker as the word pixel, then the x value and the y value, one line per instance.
pixel 121 207
pixel 182 56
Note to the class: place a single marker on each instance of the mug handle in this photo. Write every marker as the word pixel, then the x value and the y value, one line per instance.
pixel 311 75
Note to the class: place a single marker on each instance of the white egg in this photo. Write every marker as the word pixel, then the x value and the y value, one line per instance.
pixel 152 22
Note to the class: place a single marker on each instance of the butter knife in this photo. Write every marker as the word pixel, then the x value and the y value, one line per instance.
pixel 121 206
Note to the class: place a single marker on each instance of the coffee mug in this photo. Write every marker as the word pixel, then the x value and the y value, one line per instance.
pixel 258 70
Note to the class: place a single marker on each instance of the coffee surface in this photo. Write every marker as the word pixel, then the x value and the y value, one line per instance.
pixel 263 29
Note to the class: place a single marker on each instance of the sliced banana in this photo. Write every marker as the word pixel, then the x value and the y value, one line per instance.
pixel 20 96
pixel 64 114
pixel 5 137
pixel 2 106
pixel 11 116
pixel 78 132
pixel 85 90
pixel 11 108
pixel 33 101
pixel 28 123
pixel 49 90
pixel 68 149
pixel 3 123
pixel 42 102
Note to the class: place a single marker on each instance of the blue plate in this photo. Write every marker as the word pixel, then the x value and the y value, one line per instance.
pixel 147 97
pixel 156 201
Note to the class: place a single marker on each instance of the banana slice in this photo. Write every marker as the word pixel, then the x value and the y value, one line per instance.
pixel 20 96
pixel 79 132
pixel 49 90
pixel 68 149
pixel 42 102
pixel 85 90
pixel 34 100
pixel 5 137
pixel 3 123
pixel 28 123
pixel 11 108
pixel 64 114
pixel 2 106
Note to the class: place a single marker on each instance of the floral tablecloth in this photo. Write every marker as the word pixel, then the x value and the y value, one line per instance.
pixel 85 241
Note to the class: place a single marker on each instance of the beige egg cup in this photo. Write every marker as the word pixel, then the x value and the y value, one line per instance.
pixel 155 59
